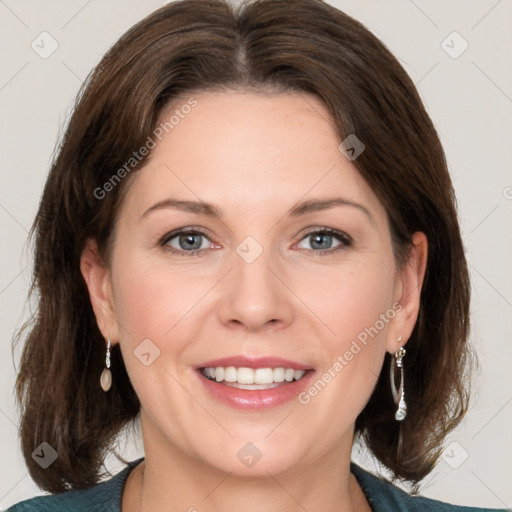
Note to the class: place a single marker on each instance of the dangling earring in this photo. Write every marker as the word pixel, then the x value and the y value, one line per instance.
pixel 398 394
pixel 106 374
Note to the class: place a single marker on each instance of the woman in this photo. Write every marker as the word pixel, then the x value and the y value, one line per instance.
pixel 248 239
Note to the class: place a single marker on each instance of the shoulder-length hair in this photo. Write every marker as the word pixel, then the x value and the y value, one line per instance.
pixel 304 46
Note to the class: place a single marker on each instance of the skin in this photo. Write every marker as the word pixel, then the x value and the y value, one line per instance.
pixel 254 156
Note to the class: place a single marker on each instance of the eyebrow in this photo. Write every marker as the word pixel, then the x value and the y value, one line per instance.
pixel 298 210
pixel 314 205
pixel 198 207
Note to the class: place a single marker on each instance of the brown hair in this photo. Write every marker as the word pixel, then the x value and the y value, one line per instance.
pixel 193 45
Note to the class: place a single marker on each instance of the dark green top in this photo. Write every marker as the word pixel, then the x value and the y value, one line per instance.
pixel 106 497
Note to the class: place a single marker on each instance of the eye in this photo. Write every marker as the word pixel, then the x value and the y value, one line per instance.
pixel 186 242
pixel 325 240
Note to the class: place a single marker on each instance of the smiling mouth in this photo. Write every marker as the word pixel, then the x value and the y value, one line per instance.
pixel 252 379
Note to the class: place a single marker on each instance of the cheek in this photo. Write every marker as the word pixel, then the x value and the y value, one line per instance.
pixel 151 307
pixel 150 299
pixel 351 298
pixel 356 307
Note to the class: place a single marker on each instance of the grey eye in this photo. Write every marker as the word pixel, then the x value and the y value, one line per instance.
pixel 188 241
pixel 320 240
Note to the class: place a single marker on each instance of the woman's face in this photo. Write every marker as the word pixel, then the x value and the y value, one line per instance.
pixel 291 261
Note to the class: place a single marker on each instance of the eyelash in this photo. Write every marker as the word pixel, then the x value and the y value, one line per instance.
pixel 345 240
pixel 168 237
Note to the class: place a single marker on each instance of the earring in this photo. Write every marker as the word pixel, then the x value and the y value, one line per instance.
pixel 106 374
pixel 398 394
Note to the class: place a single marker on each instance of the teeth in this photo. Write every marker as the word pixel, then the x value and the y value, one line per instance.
pixel 279 374
pixel 219 374
pixel 252 378
pixel 250 386
pixel 289 374
pixel 230 374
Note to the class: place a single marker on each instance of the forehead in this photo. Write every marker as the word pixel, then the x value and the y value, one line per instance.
pixel 250 150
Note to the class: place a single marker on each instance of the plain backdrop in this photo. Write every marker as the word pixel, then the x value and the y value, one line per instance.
pixel 465 81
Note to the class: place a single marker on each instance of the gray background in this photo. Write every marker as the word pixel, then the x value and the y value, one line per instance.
pixel 470 100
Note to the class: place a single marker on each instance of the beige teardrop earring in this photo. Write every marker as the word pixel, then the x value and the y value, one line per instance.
pixel 106 374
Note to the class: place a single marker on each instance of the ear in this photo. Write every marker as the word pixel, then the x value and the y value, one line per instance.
pixel 97 278
pixel 408 283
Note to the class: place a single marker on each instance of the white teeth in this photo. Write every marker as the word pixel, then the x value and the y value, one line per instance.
pixel 230 374
pixel 250 378
pixel 250 386
pixel 219 374
pixel 246 376
pixel 263 376
pixel 278 374
pixel 299 374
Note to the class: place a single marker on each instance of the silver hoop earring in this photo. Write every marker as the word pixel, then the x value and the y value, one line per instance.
pixel 398 394
pixel 106 374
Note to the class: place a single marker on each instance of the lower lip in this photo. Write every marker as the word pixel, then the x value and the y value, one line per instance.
pixel 256 398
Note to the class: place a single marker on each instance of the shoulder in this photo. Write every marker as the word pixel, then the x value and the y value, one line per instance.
pixel 384 496
pixel 103 497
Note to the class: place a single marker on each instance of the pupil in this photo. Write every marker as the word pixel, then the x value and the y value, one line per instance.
pixel 190 241
pixel 322 241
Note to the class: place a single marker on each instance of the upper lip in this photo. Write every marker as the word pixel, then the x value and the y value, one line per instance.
pixel 256 362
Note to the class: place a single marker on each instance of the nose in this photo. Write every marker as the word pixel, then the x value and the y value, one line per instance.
pixel 256 296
